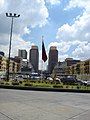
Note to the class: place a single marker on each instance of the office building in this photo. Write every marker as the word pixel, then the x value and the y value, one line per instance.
pixel 60 67
pixel 53 58
pixel 26 67
pixel 22 54
pixel 71 61
pixel 34 57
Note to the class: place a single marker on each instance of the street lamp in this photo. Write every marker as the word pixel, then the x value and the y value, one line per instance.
pixel 12 16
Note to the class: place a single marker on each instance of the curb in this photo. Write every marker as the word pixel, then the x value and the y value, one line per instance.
pixel 44 89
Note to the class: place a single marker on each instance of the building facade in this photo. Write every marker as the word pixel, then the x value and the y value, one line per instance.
pixel 53 58
pixel 13 66
pixel 22 54
pixel 81 68
pixel 59 69
pixel 71 61
pixel 26 67
pixel 34 57
pixel 3 63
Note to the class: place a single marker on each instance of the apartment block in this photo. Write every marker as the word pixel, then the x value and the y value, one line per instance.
pixel 82 67
pixel 13 66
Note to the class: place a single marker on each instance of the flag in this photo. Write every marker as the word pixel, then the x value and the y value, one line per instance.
pixel 44 56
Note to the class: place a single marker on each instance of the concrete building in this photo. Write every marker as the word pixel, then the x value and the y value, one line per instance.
pixel 13 66
pixel 34 57
pixel 81 68
pixel 26 67
pixel 22 54
pixel 71 61
pixel 16 64
pixel 53 58
pixel 3 63
pixel 59 69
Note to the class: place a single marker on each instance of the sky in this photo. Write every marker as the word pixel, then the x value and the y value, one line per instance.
pixel 63 23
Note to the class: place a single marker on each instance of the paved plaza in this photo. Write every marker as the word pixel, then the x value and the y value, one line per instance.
pixel 39 105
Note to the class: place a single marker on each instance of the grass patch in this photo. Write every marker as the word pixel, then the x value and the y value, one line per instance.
pixel 44 84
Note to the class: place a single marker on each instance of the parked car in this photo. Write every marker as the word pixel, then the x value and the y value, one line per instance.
pixel 2 77
pixel 19 77
pixel 88 83
pixel 49 78
pixel 68 80
pixel 82 82
pixel 35 76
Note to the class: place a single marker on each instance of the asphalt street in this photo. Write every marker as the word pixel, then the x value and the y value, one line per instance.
pixel 39 105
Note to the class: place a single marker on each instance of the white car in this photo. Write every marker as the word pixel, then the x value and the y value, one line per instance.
pixel 49 78
pixel 88 83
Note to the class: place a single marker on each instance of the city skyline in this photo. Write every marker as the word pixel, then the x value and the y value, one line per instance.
pixel 63 23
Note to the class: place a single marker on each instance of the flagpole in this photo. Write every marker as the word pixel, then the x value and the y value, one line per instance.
pixel 41 68
pixel 42 71
pixel 41 60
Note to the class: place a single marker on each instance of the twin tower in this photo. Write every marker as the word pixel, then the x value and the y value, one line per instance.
pixel 34 57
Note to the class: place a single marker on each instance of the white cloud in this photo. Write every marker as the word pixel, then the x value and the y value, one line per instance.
pixel 17 43
pixel 53 2
pixel 62 57
pixel 79 30
pixel 81 27
pixel 65 32
pixel 79 3
pixel 32 13
pixel 27 30
pixel 82 51
pixel 1 3
pixel 77 34
pixel 62 47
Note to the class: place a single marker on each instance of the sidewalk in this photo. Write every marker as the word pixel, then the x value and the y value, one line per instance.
pixel 37 105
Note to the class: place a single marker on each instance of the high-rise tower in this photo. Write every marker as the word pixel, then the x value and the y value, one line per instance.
pixel 22 54
pixel 34 57
pixel 53 58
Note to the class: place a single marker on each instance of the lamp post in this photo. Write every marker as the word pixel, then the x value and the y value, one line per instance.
pixel 12 16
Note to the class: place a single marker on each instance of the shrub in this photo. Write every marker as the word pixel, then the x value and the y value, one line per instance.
pixel 25 81
pixel 67 86
pixel 46 82
pixel 28 84
pixel 78 87
pixel 15 83
pixel 2 83
pixel 38 81
pixel 6 83
pixel 20 82
pixel 42 85
pixel 72 87
pixel 57 86
pixel 42 81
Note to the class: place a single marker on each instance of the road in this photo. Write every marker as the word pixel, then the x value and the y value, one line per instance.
pixel 39 105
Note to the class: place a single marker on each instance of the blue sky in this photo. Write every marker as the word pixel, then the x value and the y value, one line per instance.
pixel 63 23
pixel 57 17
